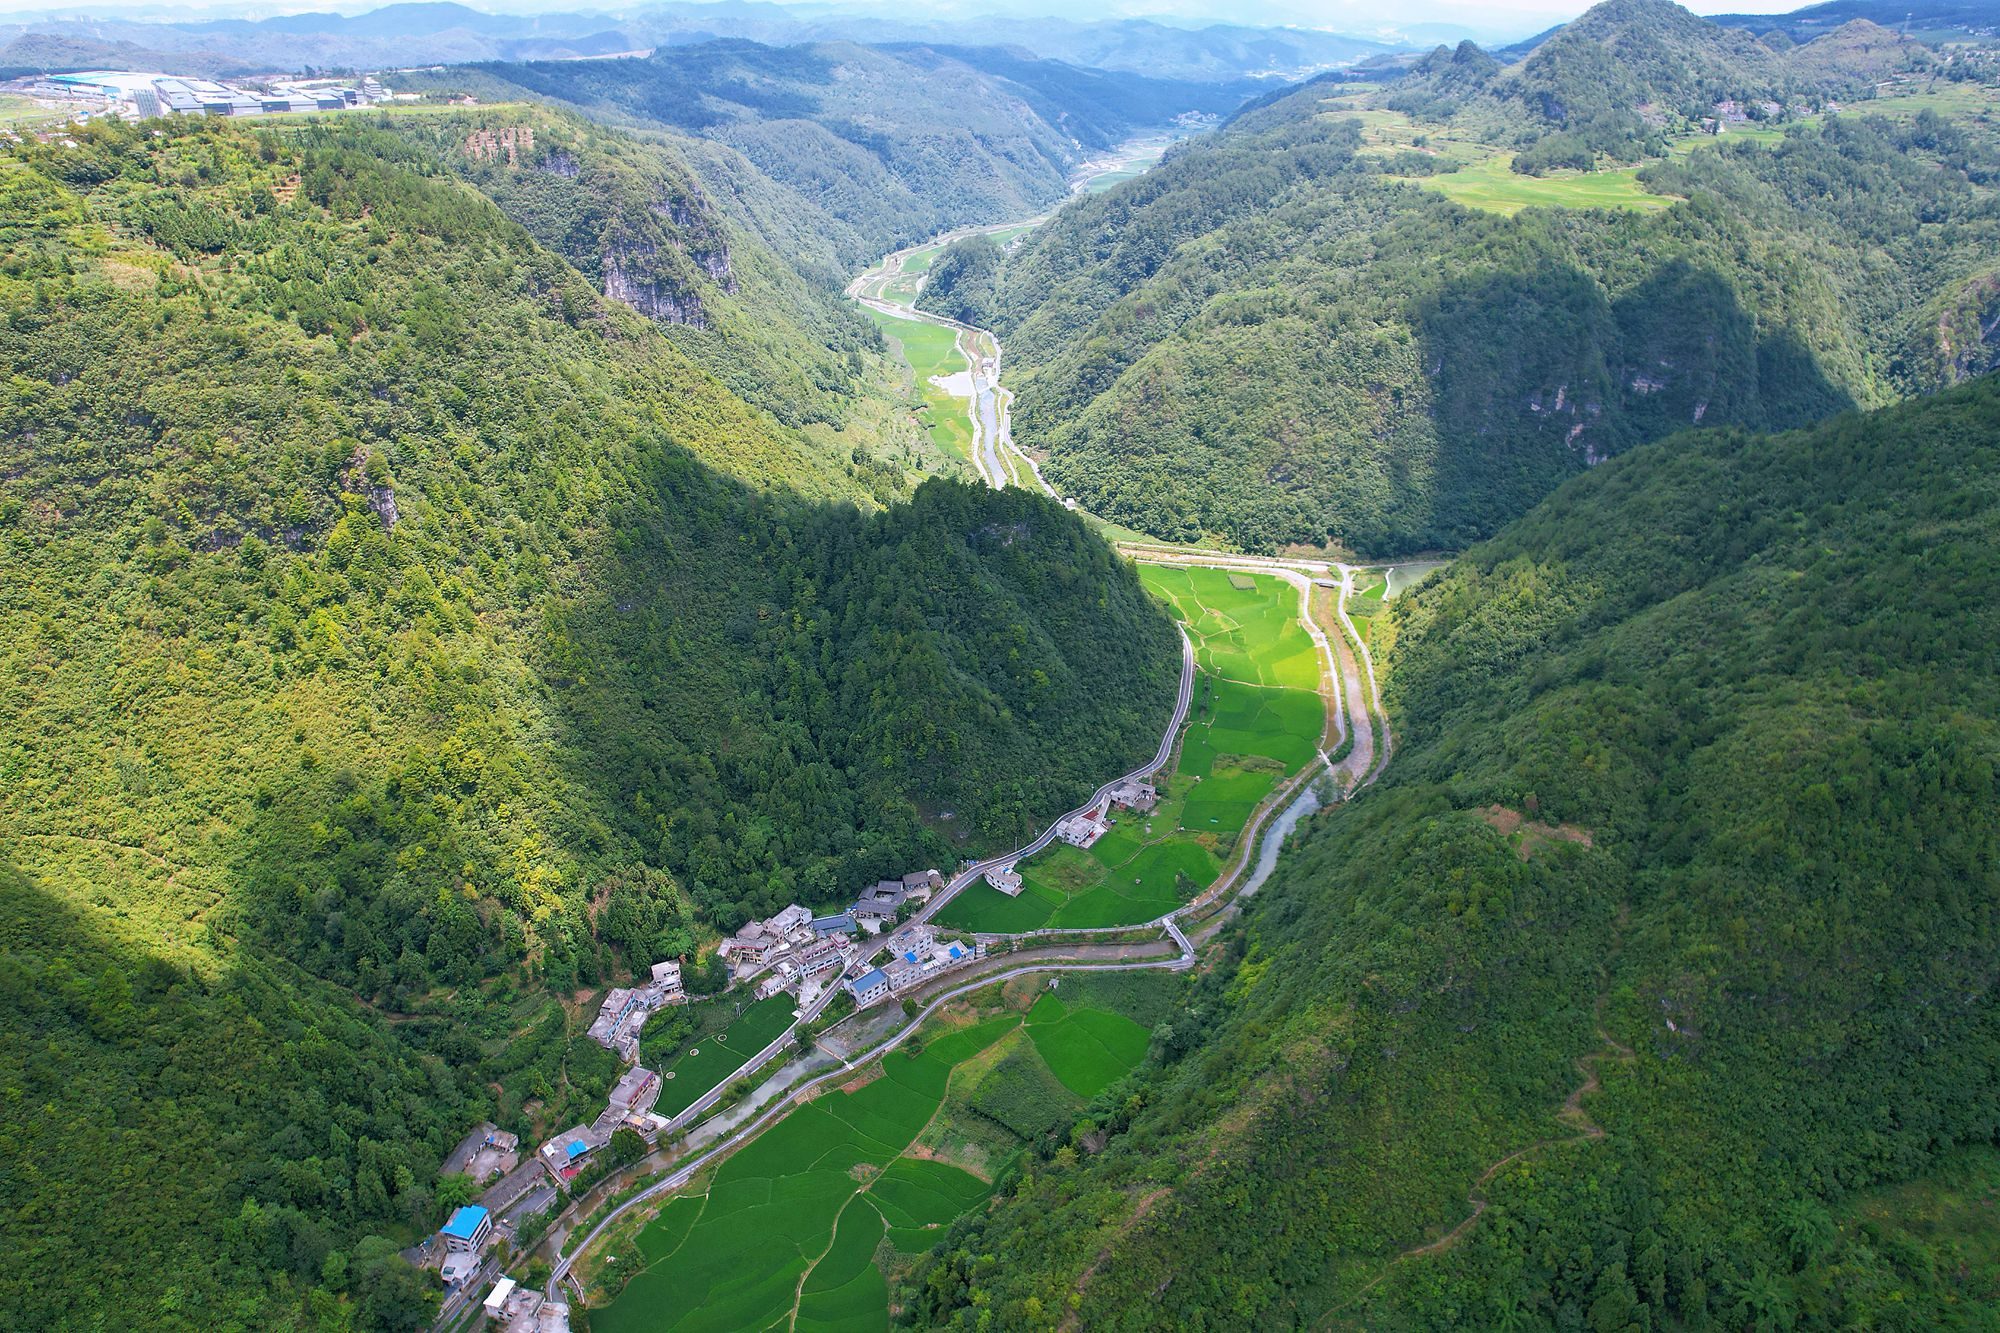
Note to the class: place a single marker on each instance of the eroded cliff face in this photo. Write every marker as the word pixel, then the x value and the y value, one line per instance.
pixel 1964 339
pixel 631 275
pixel 647 235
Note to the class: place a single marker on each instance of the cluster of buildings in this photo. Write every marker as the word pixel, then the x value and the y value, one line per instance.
pixel 519 1309
pixel 140 96
pixel 916 954
pixel 625 1009
pixel 793 950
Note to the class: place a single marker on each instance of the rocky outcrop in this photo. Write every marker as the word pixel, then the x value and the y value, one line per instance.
pixel 627 278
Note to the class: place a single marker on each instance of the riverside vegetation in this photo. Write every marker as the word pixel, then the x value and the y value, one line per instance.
pixel 400 636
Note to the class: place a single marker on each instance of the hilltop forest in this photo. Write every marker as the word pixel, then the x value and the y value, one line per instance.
pixel 847 152
pixel 1291 332
pixel 399 634
pixel 1652 988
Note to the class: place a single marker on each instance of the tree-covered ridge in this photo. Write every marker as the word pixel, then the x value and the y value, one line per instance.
pixel 390 617
pixel 1269 339
pixel 882 146
pixel 1623 78
pixel 962 282
pixel 1674 926
pixel 632 216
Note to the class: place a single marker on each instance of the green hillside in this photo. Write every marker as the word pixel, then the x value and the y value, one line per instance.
pixel 880 146
pixel 1665 950
pixel 632 216
pixel 399 638
pixel 1332 322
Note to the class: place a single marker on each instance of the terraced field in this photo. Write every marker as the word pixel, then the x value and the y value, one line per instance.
pixel 1257 719
pixel 795 1230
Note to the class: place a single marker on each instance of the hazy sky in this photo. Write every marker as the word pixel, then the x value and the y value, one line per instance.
pixel 1358 16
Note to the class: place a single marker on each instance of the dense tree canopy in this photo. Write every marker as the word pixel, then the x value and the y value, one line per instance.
pixel 395 625
pixel 1277 337
pixel 1692 799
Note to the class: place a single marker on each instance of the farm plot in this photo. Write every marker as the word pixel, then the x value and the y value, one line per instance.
pixel 1494 185
pixel 796 1227
pixel 1257 719
pixel 710 1060
pixel 1087 1048
pixel 931 350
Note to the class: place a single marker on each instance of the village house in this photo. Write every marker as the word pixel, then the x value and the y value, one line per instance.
pixel 1083 829
pixel 786 922
pixel 565 1154
pixel 636 1090
pixel 468 1229
pixel 828 953
pixel 841 923
pixel 752 944
pixel 868 988
pixel 919 885
pixel 667 981
pixel 1132 794
pixel 519 1309
pixel 1006 879
pixel 484 1154
pixel 880 903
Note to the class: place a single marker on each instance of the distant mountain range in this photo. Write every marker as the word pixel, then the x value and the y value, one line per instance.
pixel 1802 25
pixel 446 33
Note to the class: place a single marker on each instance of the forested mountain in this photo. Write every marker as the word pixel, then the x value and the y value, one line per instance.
pixel 1803 25
pixel 885 146
pixel 963 281
pixel 1628 73
pixel 445 33
pixel 400 635
pixel 632 216
pixel 1672 935
pixel 1285 334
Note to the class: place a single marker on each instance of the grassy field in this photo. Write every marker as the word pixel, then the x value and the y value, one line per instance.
pixel 711 1060
pixel 1136 163
pixel 1256 719
pixel 19 111
pixel 930 350
pixel 796 1229
pixel 1494 186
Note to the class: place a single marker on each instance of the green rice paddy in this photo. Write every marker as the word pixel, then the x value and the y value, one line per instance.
pixel 1257 718
pixel 714 1059
pixel 930 349
pixel 794 1230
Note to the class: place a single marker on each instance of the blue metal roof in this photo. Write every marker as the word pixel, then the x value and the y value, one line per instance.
pixel 955 952
pixel 577 1148
pixel 870 978
pixel 909 955
pixel 464 1224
